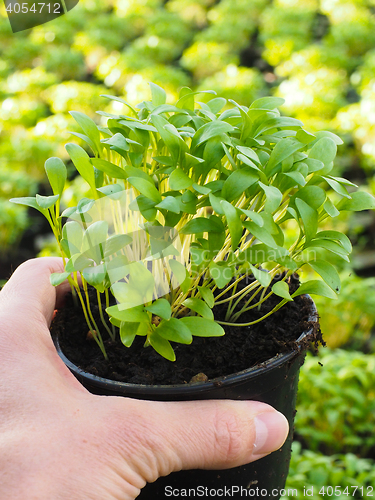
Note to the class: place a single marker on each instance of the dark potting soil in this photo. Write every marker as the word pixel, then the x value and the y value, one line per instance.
pixel 206 358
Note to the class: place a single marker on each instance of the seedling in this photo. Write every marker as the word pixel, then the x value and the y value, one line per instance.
pixel 188 200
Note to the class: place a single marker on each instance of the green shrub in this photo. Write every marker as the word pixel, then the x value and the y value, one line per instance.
pixel 83 96
pixel 66 65
pixel 341 476
pixel 336 402
pixel 234 82
pixel 13 221
pixel 204 59
pixel 349 320
pixel 232 22
pixel 352 28
pixel 284 30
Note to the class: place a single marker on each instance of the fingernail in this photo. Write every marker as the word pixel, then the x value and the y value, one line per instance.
pixel 271 429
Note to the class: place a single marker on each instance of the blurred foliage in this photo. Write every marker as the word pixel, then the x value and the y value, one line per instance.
pixel 349 321
pixel 336 402
pixel 318 55
pixel 348 475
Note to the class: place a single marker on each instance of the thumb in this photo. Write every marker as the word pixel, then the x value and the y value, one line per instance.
pixel 30 292
pixel 214 434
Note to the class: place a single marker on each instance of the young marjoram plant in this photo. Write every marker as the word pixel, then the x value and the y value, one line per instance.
pixel 185 202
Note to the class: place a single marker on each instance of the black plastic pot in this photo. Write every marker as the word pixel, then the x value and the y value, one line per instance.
pixel 274 382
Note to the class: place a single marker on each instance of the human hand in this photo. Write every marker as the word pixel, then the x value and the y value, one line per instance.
pixel 58 441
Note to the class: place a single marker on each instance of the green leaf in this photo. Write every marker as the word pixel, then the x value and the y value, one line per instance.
pixel 281 289
pixel 58 278
pixel 160 307
pixel 325 133
pixel 94 239
pixel 254 216
pixel 282 150
pixel 113 191
pixel 89 127
pixel 170 136
pixel 85 139
pixel 234 223
pixel 162 346
pixel 207 295
pixel 360 200
pixel 175 331
pixel 118 99
pixel 297 177
pixel 328 272
pixel 305 137
pixel 260 233
pixel 210 130
pixel 309 218
pixel 199 307
pixel 169 203
pixel 279 122
pixel 109 168
pixel 330 208
pixel 260 253
pixel 267 103
pixel 324 150
pixel 186 97
pixel 179 271
pixel 115 243
pixel 203 225
pixel 159 96
pixel 46 201
pixel 117 268
pixel 202 327
pixel 314 196
pixel 128 332
pixel 145 188
pixel 249 153
pixel 336 186
pixel 82 163
pixel 56 173
pixel 95 275
pixel 73 233
pixel 221 273
pixel 217 104
pixel 273 197
pixel 330 246
pixel 336 235
pixel 29 201
pixel 238 182
pixel 118 143
pixel 179 180
pixel 263 277
pixel 315 287
pixel 135 314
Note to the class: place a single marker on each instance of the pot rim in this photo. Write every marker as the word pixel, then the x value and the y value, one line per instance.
pixel 225 380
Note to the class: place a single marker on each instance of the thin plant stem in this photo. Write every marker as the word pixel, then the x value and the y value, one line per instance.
pixel 96 328
pixel 102 316
pixel 276 308
pixel 97 338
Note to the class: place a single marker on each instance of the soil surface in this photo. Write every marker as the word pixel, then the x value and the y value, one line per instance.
pixel 206 358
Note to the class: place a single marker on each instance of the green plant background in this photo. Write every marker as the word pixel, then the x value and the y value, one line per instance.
pixel 318 55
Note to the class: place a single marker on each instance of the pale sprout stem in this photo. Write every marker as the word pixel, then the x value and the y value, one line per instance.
pixel 102 316
pixel 276 308
pixel 96 328
pixel 97 337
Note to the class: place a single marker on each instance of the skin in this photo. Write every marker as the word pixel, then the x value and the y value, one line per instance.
pixel 58 441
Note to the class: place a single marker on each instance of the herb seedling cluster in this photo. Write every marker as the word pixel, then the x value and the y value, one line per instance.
pixel 186 201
